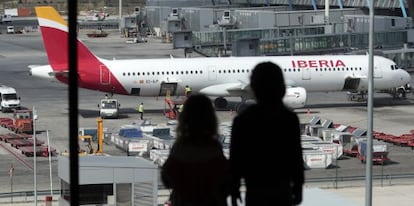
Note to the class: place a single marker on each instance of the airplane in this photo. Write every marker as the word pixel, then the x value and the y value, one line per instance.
pixel 217 77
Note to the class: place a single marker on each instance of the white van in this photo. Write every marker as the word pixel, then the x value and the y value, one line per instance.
pixel 10 29
pixel 109 108
pixel 8 98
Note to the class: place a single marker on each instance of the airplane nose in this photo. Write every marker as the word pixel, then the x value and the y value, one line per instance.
pixel 406 77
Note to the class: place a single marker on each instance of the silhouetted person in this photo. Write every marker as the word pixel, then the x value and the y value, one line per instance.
pixel 196 169
pixel 265 148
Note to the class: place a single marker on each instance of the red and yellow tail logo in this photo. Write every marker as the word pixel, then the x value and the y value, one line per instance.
pixel 55 37
pixel 92 73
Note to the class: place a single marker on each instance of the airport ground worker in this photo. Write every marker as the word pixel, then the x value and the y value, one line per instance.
pixel 187 90
pixel 141 110
pixel 180 109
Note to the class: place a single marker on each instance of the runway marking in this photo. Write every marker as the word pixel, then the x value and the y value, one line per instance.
pixel 17 156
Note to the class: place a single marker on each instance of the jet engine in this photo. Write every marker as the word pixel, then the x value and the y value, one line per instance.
pixel 295 97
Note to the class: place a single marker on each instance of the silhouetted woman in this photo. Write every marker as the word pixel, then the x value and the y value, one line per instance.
pixel 197 170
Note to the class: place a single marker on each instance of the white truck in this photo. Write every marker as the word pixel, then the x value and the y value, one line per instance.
pixel 109 108
pixel 9 99
pixel 5 18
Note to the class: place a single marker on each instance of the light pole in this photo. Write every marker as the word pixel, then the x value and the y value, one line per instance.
pixel 34 118
pixel 120 15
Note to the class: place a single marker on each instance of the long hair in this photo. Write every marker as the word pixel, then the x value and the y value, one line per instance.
pixel 198 120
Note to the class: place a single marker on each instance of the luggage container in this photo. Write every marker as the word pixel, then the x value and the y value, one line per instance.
pixel 159 156
pixel 358 132
pixel 341 128
pixel 379 151
pixel 348 142
pixel 315 159
pixel 130 138
pixel 327 134
pixel 161 138
pixel 315 130
pixel 308 138
pixel 333 148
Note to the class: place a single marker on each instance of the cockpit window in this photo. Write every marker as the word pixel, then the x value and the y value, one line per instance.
pixel 394 67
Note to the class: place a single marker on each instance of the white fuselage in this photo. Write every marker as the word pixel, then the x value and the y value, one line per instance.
pixel 314 73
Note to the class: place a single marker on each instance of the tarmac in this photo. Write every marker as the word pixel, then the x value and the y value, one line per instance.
pixel 50 100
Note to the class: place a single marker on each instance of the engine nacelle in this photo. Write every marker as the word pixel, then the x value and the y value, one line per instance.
pixel 295 97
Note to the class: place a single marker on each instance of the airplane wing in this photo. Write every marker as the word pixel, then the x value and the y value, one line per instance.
pixel 227 89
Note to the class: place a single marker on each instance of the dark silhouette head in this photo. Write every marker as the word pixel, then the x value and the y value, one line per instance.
pixel 267 82
pixel 198 119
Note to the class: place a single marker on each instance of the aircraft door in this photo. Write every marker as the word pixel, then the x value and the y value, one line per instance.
pixel 377 72
pixel 104 75
pixel 306 74
pixel 212 73
pixel 167 87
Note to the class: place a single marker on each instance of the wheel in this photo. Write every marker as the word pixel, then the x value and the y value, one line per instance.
pixel 220 103
pixel 401 93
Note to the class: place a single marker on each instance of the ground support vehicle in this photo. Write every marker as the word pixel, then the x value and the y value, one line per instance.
pixel 348 142
pixel 130 138
pixel 8 99
pixel 159 156
pixel 24 143
pixel 88 135
pixel 171 110
pixel 357 96
pixel 5 18
pixel 379 151
pixel 161 138
pixel 41 151
pixel 5 121
pixel 317 159
pixel 10 136
pixel 19 143
pixel 109 108
pixel 333 148
pixel 22 122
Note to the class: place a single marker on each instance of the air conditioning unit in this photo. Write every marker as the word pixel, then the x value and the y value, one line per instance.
pixel 226 15
pixel 226 18
pixel 174 12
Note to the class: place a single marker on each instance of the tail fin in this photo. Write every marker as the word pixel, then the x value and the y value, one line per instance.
pixel 55 38
pixel 92 73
